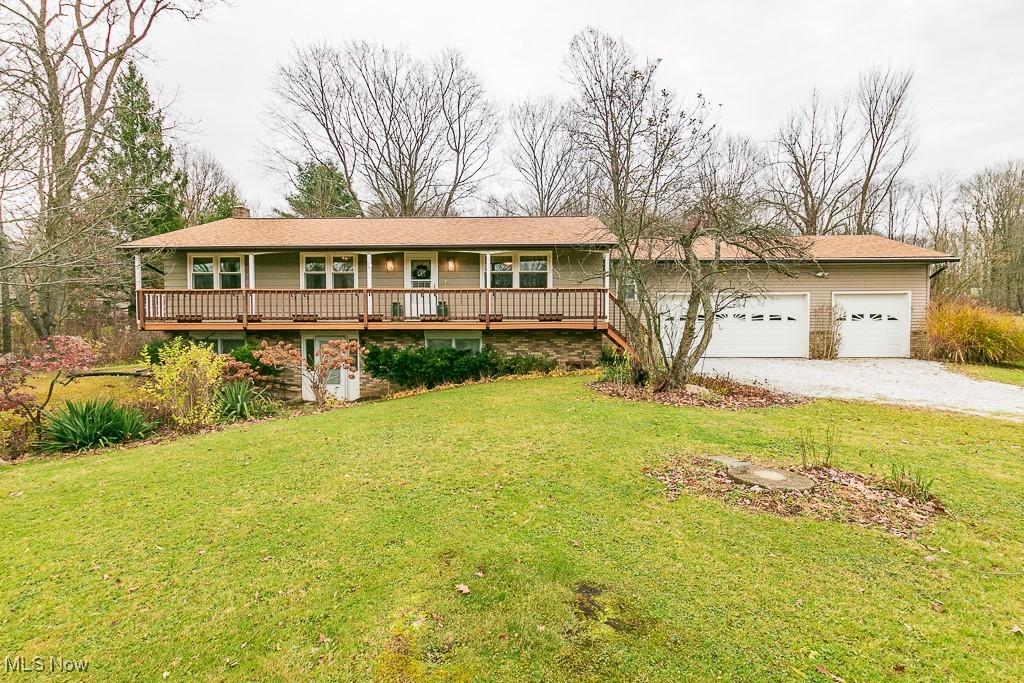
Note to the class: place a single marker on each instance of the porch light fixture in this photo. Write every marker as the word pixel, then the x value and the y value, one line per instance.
pixel 451 265
pixel 389 265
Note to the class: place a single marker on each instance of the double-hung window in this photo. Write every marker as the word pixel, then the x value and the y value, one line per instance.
pixel 328 271
pixel 216 272
pixel 502 275
pixel 527 271
pixel 533 271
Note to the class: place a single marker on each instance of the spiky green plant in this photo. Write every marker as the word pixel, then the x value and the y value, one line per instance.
pixel 91 424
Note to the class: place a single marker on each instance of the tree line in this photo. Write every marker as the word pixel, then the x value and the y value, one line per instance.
pixel 88 159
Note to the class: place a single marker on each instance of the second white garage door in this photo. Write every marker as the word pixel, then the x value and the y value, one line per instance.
pixel 771 326
pixel 873 325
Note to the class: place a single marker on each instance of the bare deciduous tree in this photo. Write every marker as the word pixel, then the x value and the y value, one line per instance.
pixel 63 57
pixel 411 136
pixel 206 183
pixel 543 155
pixel 837 166
pixel 675 200
pixel 811 182
pixel 886 143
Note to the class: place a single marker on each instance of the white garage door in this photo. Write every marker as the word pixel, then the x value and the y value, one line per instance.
pixel 873 325
pixel 771 326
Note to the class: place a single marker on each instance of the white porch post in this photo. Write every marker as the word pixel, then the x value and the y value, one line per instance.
pixel 252 271
pixel 487 269
pixel 607 284
pixel 138 271
pixel 138 285
pixel 369 283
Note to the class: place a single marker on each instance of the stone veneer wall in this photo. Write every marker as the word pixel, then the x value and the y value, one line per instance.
pixel 288 384
pixel 570 348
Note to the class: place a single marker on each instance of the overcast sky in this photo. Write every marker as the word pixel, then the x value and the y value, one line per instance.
pixel 757 58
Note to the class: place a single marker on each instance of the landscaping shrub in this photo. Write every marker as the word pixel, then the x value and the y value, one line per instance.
pixel 419 366
pixel 245 354
pixel 185 381
pixel 151 350
pixel 92 424
pixel 16 435
pixel 964 331
pixel 242 401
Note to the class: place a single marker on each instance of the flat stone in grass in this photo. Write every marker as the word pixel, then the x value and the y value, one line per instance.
pixel 728 461
pixel 770 478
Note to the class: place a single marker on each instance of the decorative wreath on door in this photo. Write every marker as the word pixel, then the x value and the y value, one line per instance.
pixel 421 272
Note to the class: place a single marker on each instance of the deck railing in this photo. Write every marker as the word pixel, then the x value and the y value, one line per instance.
pixel 370 305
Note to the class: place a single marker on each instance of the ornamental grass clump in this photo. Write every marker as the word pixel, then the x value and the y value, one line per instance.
pixel 185 383
pixel 93 424
pixel 964 331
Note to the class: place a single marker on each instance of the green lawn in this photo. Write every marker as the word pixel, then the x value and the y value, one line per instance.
pixel 1008 374
pixel 329 547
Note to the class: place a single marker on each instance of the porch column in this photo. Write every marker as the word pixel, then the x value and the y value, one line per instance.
pixel 252 271
pixel 138 270
pixel 138 293
pixel 487 270
pixel 607 284
pixel 369 282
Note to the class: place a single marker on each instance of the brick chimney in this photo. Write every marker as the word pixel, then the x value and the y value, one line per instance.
pixel 240 211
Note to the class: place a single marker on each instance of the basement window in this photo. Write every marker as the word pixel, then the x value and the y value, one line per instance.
pixel 465 340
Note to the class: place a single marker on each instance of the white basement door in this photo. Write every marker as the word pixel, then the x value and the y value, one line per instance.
pixel 771 326
pixel 873 325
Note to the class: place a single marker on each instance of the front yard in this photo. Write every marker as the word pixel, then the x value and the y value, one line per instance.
pixel 1008 374
pixel 330 546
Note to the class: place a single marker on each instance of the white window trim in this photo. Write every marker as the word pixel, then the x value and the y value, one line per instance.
pixel 328 258
pixel 486 274
pixel 407 257
pixel 454 334
pixel 217 256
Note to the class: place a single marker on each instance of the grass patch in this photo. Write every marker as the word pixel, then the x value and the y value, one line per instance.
pixel 1008 374
pixel 85 388
pixel 329 546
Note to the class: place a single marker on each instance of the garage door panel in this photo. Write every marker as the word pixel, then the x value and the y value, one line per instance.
pixel 773 326
pixel 873 325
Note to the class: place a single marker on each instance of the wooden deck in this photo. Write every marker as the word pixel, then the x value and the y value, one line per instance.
pixel 339 309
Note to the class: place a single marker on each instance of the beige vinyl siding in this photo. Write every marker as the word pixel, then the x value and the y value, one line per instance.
pixel 467 270
pixel 175 270
pixel 847 277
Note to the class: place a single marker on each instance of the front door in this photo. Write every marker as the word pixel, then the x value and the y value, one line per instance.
pixel 339 383
pixel 421 273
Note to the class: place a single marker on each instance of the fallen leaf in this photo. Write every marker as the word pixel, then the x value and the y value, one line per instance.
pixel 462 588
pixel 938 606
pixel 1017 630
pixel 831 676
pixel 167 674
pixel 898 668
pixel 479 573
pixel 15 494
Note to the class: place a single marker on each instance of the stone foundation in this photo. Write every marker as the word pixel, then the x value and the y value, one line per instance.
pixel 569 348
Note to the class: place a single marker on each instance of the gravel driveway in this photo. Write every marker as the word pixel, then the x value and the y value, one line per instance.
pixel 925 384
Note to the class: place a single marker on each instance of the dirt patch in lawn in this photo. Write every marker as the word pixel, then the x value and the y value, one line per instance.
pixel 837 496
pixel 706 391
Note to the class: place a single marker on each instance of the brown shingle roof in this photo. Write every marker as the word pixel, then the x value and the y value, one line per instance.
pixel 818 248
pixel 375 233
pixel 480 232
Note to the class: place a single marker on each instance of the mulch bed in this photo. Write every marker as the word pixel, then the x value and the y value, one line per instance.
pixel 722 393
pixel 837 496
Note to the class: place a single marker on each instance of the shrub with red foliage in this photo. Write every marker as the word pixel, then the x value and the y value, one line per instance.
pixel 60 355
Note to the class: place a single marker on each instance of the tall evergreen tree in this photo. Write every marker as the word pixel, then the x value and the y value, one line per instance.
pixel 133 173
pixel 320 191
